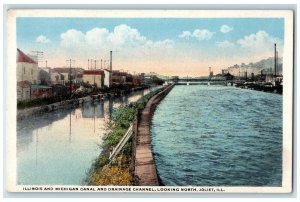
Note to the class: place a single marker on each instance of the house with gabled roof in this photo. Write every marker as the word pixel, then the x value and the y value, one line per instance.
pixel 27 68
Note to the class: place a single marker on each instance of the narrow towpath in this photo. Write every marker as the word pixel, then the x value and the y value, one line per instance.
pixel 145 168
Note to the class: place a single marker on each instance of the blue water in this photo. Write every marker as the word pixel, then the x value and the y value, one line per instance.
pixel 217 135
pixel 58 148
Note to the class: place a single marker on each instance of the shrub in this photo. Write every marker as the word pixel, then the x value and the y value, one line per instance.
pixel 119 173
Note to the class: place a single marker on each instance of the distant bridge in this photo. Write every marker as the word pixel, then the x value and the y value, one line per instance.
pixel 186 82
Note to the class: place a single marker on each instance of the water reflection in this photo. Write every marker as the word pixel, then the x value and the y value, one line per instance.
pixel 59 147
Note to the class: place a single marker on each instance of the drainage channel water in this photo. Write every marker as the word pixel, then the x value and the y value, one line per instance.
pixel 217 135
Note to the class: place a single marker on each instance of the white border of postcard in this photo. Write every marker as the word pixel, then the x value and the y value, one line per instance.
pixel 287 95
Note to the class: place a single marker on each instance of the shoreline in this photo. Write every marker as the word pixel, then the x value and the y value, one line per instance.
pixel 145 173
pixel 29 111
pixel 121 171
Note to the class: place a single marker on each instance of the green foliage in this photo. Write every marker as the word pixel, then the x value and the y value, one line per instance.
pixel 127 148
pixel 101 161
pixel 115 136
pixel 119 173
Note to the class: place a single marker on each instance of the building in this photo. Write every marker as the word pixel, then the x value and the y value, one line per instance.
pixel 119 77
pixel 23 90
pixel 44 76
pixel 61 75
pixel 57 78
pixel 136 80
pixel 107 76
pixel 27 68
pixel 39 91
pixel 27 91
pixel 94 77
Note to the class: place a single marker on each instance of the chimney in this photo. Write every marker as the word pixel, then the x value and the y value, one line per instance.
pixel 275 60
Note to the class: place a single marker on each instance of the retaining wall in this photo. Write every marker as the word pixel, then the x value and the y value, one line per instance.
pixel 145 173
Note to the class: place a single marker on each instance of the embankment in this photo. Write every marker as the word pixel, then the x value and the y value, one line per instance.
pixel 143 162
pixel 51 107
pixel 42 108
pixel 121 171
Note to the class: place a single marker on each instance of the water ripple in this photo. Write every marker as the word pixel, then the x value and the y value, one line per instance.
pixel 217 135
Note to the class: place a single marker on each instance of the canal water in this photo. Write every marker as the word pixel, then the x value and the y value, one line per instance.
pixel 58 148
pixel 218 136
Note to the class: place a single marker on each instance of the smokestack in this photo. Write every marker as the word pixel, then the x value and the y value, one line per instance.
pixel 275 60
pixel 277 70
pixel 110 66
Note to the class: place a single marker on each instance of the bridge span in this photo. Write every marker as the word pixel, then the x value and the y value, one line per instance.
pixel 183 82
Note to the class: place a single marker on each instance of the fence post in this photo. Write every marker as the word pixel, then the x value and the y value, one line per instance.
pixel 134 138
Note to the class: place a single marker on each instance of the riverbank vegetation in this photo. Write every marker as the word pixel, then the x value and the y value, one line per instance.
pixel 118 172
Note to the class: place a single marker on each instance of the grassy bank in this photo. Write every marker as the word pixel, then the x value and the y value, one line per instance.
pixel 118 172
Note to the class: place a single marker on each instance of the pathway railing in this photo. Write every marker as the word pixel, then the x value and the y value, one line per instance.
pixel 116 150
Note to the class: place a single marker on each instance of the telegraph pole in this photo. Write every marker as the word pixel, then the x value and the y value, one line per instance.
pixel 95 73
pixel 39 55
pixel 70 79
pixel 95 67
pixel 110 69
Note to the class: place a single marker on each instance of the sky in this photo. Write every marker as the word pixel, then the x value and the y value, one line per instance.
pixel 167 46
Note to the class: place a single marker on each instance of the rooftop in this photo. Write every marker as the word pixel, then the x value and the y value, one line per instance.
pixel 22 57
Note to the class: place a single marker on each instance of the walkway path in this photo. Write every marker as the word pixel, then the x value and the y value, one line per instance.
pixel 145 168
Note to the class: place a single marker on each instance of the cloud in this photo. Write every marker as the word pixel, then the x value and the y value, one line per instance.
pixel 225 44
pixel 42 39
pixel 226 28
pixel 72 39
pixel 185 34
pixel 96 36
pixel 123 39
pixel 124 35
pixel 199 34
pixel 260 41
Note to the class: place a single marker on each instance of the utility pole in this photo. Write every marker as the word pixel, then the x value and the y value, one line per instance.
pixel 22 80
pixel 95 68
pixel 101 63
pixel 95 72
pixel 91 64
pixel 88 63
pixel 39 55
pixel 110 69
pixel 70 79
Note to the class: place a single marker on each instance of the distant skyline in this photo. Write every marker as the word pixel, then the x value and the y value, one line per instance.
pixel 168 46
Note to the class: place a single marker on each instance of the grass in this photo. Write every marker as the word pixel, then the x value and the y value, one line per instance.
pixel 119 172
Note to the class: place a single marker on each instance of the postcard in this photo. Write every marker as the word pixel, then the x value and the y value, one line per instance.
pixel 149 101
